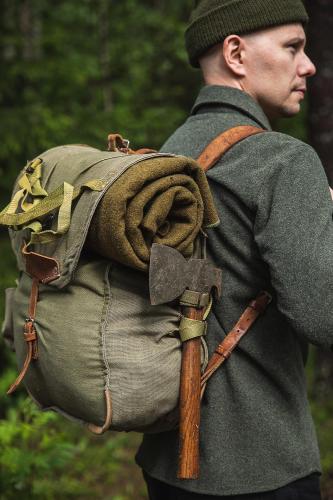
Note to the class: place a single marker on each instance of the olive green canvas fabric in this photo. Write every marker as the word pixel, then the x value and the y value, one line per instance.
pixel 165 200
pixel 97 333
pixel 100 333
pixel 77 165
pixel 276 233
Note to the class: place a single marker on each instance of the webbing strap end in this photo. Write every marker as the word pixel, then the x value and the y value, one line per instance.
pixel 191 328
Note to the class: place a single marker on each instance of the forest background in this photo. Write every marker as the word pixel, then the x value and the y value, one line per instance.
pixel 71 72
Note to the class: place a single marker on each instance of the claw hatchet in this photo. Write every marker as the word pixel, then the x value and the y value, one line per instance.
pixel 172 277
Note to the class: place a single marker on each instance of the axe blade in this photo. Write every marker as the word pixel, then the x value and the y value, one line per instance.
pixel 170 274
pixel 204 277
pixel 167 274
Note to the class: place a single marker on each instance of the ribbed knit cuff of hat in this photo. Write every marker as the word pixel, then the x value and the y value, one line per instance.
pixel 213 20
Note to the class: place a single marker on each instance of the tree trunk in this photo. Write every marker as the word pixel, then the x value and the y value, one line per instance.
pixel 7 25
pixel 321 86
pixel 105 58
pixel 320 41
pixel 30 28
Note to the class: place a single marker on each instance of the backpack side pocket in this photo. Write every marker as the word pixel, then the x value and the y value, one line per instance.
pixel 7 329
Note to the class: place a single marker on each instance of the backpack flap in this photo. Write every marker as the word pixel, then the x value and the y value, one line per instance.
pixel 74 180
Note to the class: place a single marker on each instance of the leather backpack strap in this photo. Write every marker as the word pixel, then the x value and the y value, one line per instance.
pixel 223 142
pixel 30 336
pixel 228 344
pixel 207 159
pixel 42 269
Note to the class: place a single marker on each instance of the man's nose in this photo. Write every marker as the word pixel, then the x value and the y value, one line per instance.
pixel 307 68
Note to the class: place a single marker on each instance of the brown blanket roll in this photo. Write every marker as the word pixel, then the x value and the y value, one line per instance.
pixel 159 200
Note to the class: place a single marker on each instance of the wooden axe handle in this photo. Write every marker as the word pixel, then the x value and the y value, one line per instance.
pixel 189 421
pixel 191 355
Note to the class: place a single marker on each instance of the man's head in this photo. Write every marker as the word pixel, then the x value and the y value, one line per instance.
pixel 268 62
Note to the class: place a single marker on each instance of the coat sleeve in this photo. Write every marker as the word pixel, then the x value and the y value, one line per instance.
pixel 294 233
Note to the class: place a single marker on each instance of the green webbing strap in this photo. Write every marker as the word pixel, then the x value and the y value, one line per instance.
pixel 190 298
pixel 64 219
pixel 209 308
pixel 31 190
pixel 64 215
pixel 51 202
pixel 30 184
pixel 36 226
pixel 191 328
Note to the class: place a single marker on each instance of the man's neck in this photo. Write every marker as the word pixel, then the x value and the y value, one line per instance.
pixel 224 81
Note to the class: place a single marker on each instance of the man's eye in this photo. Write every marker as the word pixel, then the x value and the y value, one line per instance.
pixel 293 48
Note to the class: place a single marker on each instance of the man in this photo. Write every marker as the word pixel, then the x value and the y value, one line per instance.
pixel 257 439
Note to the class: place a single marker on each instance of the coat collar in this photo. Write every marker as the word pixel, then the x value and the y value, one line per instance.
pixel 231 98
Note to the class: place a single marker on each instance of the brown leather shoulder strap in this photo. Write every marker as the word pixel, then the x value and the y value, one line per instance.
pixel 223 142
pixel 231 341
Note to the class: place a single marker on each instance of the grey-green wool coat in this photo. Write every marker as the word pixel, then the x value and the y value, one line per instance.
pixel 276 233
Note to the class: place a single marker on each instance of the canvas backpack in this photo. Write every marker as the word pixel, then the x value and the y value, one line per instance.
pixel 88 342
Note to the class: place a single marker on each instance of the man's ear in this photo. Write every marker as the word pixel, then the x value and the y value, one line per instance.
pixel 233 52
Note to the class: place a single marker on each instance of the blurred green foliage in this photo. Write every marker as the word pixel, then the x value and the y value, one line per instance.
pixel 43 457
pixel 73 74
pixel 87 68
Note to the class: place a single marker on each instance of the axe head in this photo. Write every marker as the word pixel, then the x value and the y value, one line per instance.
pixel 170 274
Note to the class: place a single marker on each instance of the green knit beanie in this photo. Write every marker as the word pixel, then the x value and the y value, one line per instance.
pixel 213 20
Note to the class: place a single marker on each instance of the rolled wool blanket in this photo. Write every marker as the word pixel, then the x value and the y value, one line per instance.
pixel 162 200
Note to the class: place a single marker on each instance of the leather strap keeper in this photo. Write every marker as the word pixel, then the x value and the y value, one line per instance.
pixel 30 336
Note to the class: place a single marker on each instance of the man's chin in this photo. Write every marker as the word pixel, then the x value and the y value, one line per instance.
pixel 286 110
pixel 290 111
